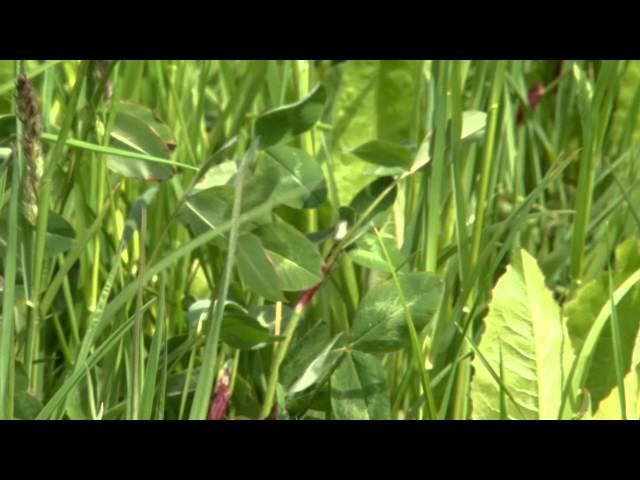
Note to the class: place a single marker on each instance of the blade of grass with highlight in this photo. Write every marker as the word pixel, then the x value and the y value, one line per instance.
pixel 61 394
pixel 215 315
pixel 416 347
pixel 11 259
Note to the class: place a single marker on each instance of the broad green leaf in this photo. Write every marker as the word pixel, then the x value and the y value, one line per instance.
pixel 369 197
pixel 315 403
pixel 582 311
pixel 209 208
pixel 303 351
pixel 295 258
pixel 380 324
pixel 366 197
pixel 525 345
pixel 255 270
pixel 139 132
pixel 239 329
pixel 26 406
pixel 315 369
pixel 473 123
pixel 156 125
pixel 245 333
pixel 245 401
pixel 376 100
pixel 283 122
pixel 298 171
pixel 359 390
pixel 609 408
pixel 217 170
pixel 369 254
pixel 395 159
pixel 384 153
pixel 218 175
pixel 60 235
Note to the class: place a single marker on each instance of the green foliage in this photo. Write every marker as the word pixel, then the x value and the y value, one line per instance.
pixel 283 122
pixel 523 357
pixel 359 390
pixel 347 240
pixel 380 325
pixel 582 311
pixel 136 129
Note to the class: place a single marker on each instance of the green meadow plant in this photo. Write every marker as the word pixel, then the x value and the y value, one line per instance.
pixel 293 239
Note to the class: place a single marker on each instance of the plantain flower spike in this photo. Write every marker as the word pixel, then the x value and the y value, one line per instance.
pixel 29 114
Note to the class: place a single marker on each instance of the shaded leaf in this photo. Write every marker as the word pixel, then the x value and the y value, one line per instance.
pixel 156 125
pixel 7 129
pixel 368 253
pixel 255 270
pixel 239 329
pixel 317 369
pixel 298 171
pixel 244 332
pixel 218 175
pixel 359 390
pixel 245 401
pixel 303 351
pixel 384 153
pixel 582 311
pixel 322 236
pixel 136 130
pixel 366 197
pixel 25 405
pixel 208 208
pixel 281 123
pixel 380 324
pixel 295 258
pixel 60 235
pixel 77 403
pixel 357 210
pixel 218 159
pixel 609 408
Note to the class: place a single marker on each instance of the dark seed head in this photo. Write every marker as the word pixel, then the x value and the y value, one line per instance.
pixel 221 397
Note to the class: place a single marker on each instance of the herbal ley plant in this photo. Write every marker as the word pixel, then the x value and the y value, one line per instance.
pixel 319 240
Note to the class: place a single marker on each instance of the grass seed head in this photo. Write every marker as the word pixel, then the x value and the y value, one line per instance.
pixel 29 114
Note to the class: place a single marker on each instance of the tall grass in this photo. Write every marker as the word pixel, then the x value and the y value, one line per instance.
pixel 129 290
